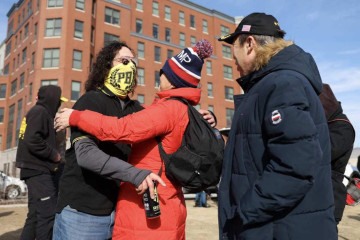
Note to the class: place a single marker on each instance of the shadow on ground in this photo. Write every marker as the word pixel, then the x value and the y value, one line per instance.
pixel 3 214
pixel 357 218
pixel 14 235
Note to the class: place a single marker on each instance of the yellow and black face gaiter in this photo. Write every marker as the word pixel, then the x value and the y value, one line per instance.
pixel 121 79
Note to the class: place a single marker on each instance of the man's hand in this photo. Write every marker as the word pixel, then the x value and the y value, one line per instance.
pixel 208 116
pixel 148 183
pixel 62 119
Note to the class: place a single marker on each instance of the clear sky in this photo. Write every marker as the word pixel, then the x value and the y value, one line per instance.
pixel 329 30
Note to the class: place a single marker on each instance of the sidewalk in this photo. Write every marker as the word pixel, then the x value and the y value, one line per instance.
pixel 201 222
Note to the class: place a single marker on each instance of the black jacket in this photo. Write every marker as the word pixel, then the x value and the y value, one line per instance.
pixel 342 137
pixel 276 181
pixel 82 189
pixel 37 137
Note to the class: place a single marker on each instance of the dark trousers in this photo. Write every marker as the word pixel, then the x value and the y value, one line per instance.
pixel 42 197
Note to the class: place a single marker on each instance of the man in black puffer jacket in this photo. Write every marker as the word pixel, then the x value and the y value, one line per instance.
pixel 342 137
pixel 38 159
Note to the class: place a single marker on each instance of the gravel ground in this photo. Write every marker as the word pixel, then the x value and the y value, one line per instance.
pixel 201 222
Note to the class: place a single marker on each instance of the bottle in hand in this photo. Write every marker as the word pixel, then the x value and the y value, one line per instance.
pixel 151 206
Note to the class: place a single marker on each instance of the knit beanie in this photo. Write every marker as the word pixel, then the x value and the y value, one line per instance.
pixel 184 69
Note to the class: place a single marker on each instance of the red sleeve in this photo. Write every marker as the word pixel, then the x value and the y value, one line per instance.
pixel 156 120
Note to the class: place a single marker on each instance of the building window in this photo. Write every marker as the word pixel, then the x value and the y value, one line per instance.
pixel 32 61
pixel 208 68
pixel 6 69
pixel 35 31
pixel 229 93
pixel 51 57
pixel 182 18
pixel 138 26
pixel 23 56
pixel 167 34
pixel 92 35
pixel 141 50
pixel 182 39
pixel 192 41
pixel 53 27
pixel 112 16
pixel 49 82
pixel 139 5
pixel 93 7
pixel 155 9
pixel 8 48
pixel 2 90
pixel 211 108
pixel 227 71
pixel 26 31
pixel 157 79
pixel 205 26
pixel 29 10
pixel 1 115
pixel 13 87
pixel 192 21
pixel 224 30
pixel 170 53
pixel 30 92
pixel 108 38
pixel 79 29
pixel 141 76
pixel 155 31
pixel 80 4
pixel 22 81
pixel 210 89
pixel 157 54
pixel 55 3
pixel 229 116
pixel 226 50
pixel 167 13
pixel 19 118
pixel 75 90
pixel 10 125
pixel 141 98
pixel 77 58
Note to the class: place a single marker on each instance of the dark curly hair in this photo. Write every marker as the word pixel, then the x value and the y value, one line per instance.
pixel 103 64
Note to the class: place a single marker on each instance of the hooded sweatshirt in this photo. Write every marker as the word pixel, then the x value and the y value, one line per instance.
pixel 37 138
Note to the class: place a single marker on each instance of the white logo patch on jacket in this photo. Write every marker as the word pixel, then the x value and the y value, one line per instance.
pixel 276 117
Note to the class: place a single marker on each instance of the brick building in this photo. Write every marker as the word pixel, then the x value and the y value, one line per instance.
pixel 56 41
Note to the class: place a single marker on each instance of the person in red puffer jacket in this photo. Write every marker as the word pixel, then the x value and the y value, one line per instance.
pixel 166 119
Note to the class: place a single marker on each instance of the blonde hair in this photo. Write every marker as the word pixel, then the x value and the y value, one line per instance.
pixel 267 47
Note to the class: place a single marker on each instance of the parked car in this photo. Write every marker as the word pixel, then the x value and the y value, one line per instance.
pixel 11 187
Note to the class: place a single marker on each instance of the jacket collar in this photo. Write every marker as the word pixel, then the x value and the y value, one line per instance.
pixel 191 94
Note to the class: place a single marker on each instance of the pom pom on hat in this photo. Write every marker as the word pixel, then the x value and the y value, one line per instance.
pixel 184 69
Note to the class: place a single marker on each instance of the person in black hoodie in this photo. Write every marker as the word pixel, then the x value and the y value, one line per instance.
pixel 38 159
pixel 342 137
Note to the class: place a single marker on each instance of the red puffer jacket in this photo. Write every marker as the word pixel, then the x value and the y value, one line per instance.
pixel 167 119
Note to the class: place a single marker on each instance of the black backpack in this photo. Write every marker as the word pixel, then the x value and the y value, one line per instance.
pixel 197 163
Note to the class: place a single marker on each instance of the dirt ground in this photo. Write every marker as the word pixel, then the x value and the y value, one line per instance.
pixel 201 222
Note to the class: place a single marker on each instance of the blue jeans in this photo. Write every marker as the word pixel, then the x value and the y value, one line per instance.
pixel 72 224
pixel 200 199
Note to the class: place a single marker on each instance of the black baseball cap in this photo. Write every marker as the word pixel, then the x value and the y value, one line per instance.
pixel 256 24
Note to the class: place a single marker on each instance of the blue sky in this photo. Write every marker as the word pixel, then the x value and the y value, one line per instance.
pixel 329 30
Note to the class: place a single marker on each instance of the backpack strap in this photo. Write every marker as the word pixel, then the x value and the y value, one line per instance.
pixel 163 155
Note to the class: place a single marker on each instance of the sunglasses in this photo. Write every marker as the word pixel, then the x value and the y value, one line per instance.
pixel 125 60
